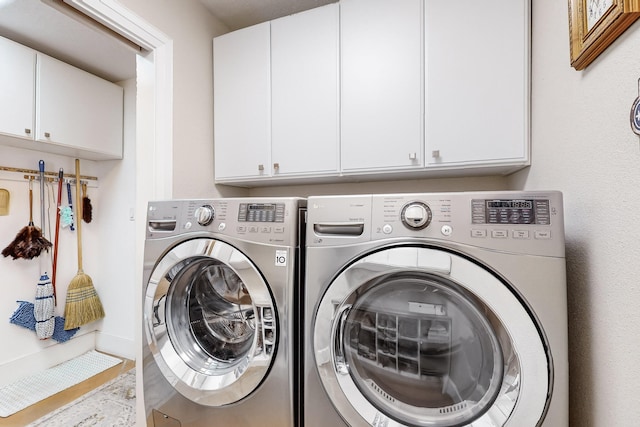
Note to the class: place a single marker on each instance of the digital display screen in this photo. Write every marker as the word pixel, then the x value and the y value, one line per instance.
pixel 261 207
pixel 261 212
pixel 511 211
pixel 514 204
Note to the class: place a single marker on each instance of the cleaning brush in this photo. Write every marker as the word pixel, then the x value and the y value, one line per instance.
pixel 29 242
pixel 87 209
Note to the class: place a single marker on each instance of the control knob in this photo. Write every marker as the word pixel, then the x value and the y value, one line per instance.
pixel 416 215
pixel 205 214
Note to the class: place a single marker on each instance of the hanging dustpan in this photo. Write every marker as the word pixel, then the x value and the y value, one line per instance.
pixel 83 304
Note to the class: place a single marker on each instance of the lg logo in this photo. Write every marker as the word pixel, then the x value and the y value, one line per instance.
pixel 281 258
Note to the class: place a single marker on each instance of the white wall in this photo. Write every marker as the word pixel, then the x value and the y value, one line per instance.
pixel 192 29
pixel 409 186
pixel 583 145
pixel 116 214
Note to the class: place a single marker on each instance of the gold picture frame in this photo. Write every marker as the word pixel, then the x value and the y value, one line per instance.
pixel 595 24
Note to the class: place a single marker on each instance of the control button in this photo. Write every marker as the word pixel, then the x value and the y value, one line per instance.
pixel 416 215
pixel 539 234
pixel 278 229
pixel 241 229
pixel 387 228
pixel 479 233
pixel 520 234
pixel 446 230
pixel 187 225
pixel 222 226
pixel 265 229
pixel 205 215
pixel 253 229
pixel 499 234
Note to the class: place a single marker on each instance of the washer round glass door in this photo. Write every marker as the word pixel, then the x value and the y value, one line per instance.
pixel 414 336
pixel 210 321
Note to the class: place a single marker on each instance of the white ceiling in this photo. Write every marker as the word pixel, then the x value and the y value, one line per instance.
pixel 36 24
pixel 237 14
pixel 47 30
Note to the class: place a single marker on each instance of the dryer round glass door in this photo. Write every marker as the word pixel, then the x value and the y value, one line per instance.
pixel 210 321
pixel 422 337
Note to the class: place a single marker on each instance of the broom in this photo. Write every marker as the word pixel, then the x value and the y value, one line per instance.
pixel 83 304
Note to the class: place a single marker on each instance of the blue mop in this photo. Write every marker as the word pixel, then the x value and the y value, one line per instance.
pixel 24 317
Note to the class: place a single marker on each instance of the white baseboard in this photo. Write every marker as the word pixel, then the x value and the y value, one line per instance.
pixel 116 346
pixel 46 358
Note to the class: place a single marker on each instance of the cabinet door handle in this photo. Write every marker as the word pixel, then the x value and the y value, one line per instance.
pixel 27 131
pixel 412 156
pixel 276 166
pixel 435 154
pixel 47 135
pixel 260 168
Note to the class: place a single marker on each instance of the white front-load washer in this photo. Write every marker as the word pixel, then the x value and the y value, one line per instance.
pixel 441 309
pixel 220 279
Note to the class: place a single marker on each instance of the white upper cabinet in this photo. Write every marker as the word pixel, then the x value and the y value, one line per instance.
pixel 477 82
pixel 242 110
pixel 47 105
pixel 381 84
pixel 305 93
pixel 17 86
pixel 375 88
pixel 78 110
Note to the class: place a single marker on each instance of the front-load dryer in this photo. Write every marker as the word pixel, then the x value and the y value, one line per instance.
pixel 219 290
pixel 442 309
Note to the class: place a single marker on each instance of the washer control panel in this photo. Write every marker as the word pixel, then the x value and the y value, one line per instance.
pixel 267 220
pixel 514 221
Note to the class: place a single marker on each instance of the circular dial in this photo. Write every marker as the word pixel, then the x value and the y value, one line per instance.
pixel 205 214
pixel 416 215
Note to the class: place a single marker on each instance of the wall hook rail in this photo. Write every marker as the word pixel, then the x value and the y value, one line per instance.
pixel 51 176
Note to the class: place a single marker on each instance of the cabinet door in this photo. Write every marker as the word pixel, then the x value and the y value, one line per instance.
pixel 381 104
pixel 477 81
pixel 17 86
pixel 241 94
pixel 304 92
pixel 78 110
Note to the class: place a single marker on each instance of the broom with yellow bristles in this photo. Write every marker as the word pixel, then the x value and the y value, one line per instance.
pixel 83 304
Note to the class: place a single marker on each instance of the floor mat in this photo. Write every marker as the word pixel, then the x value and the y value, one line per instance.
pixel 110 405
pixel 26 391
